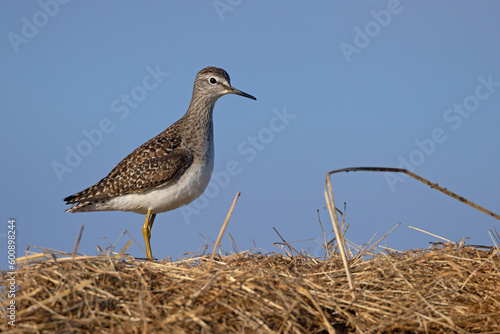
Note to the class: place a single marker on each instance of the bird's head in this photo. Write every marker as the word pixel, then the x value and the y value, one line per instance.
pixel 214 82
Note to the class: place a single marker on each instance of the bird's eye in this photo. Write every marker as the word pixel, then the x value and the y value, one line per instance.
pixel 213 81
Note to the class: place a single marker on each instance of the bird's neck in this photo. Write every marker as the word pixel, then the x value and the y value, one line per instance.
pixel 200 111
pixel 198 122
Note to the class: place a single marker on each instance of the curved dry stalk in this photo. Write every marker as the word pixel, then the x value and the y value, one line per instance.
pixel 419 178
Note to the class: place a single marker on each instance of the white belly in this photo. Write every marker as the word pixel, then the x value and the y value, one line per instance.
pixel 189 187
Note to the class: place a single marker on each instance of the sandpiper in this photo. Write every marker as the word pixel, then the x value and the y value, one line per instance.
pixel 171 169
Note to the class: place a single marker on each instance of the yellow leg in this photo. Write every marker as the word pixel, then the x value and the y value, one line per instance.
pixel 146 232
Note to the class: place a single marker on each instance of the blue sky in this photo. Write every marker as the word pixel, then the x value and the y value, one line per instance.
pixel 338 84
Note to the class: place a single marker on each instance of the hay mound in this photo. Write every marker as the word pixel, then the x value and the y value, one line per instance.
pixel 440 290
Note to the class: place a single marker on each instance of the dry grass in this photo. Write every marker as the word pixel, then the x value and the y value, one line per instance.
pixel 445 289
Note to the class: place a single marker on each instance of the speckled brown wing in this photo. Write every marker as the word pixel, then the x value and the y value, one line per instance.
pixel 155 172
pixel 153 164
